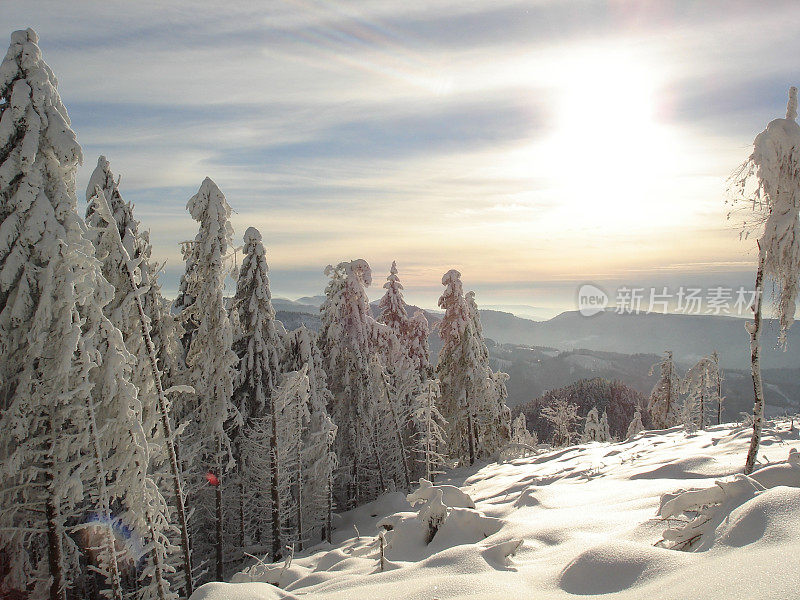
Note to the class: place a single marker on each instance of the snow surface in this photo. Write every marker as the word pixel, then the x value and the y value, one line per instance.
pixel 587 519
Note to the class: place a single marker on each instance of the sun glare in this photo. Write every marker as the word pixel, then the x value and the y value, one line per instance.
pixel 608 150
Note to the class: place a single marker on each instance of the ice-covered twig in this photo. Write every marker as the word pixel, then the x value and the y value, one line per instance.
pixel 791 106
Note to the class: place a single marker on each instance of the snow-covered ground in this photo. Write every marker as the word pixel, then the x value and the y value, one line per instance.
pixel 587 520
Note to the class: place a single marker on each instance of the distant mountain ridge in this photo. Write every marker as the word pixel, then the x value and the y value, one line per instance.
pixel 688 336
pixel 545 355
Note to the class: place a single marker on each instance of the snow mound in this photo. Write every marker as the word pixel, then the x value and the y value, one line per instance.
pixel 537 530
pixel 500 554
pixel 616 566
pixel 772 517
pixel 441 522
pixel 275 574
pixel 451 495
pixel 690 467
pixel 780 474
pixel 240 591
pixel 701 517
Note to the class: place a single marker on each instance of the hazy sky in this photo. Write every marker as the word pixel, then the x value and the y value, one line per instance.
pixel 532 145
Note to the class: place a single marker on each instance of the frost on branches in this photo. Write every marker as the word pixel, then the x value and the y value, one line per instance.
pixel 211 363
pixel 520 433
pixel 370 441
pixel 258 348
pixel 770 181
pixel 165 331
pixel 157 427
pixel 430 445
pixel 284 434
pixel 473 397
pixel 663 405
pixel 702 385
pixel 596 428
pixel 418 349
pixel 345 343
pixel 404 360
pixel 292 400
pixel 563 416
pixel 392 307
pixel 319 460
pixel 636 426
pixel 72 440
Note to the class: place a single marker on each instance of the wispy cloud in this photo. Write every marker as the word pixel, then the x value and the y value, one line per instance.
pixel 430 132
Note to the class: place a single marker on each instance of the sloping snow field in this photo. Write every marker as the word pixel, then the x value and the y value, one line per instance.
pixel 587 520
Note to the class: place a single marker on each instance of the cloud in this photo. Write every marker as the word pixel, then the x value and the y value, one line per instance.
pixel 424 132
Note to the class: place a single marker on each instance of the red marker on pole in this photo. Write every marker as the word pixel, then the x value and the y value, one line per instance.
pixel 212 479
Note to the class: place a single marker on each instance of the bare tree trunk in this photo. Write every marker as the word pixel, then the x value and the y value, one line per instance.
pixel 703 406
pixel 55 556
pixel 428 450
pixel 381 478
pixel 158 568
pixel 241 512
pixel 178 499
pixel 299 519
pixel 274 496
pixel 219 540
pixel 299 459
pixel 755 368
pixel 55 551
pixel 471 435
pixel 329 516
pixel 354 482
pixel 719 389
pixel 113 566
pixel 669 392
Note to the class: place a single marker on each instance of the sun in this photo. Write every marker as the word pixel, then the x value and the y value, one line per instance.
pixel 608 153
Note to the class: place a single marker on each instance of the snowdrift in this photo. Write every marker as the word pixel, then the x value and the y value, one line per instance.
pixel 590 520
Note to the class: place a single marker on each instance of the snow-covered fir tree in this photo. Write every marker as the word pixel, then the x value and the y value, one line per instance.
pixel 391 390
pixel 520 433
pixel 493 416
pixel 591 427
pixel 125 255
pixel 350 339
pixel 636 425
pixel 701 385
pixel 473 397
pixel 391 306
pixel 563 416
pixel 344 342
pixel 664 403
pixel 156 520
pixel 165 329
pixel 605 431
pixel 430 445
pixel 770 182
pixel 259 348
pixel 454 368
pixel 72 441
pixel 418 348
pixel 301 350
pixel 211 363
pixel 403 373
pixel 718 392
pixel 292 399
